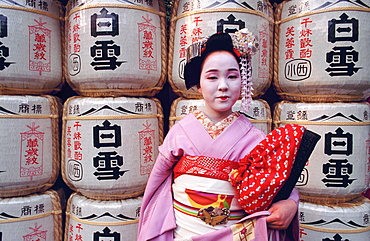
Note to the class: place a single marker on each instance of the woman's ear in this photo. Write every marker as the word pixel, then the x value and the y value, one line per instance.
pixel 199 89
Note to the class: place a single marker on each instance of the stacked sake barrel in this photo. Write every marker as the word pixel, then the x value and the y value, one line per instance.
pixel 110 144
pixel 32 217
pixel 115 54
pixel 321 51
pixel 115 48
pixel 95 219
pixel 29 140
pixel 31 60
pixel 320 71
pixel 29 144
pixel 30 70
pixel 196 20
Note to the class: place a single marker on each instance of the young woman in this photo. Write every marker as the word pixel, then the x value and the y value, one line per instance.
pixel 189 182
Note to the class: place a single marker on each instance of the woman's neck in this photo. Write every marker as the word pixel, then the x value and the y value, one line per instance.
pixel 216 116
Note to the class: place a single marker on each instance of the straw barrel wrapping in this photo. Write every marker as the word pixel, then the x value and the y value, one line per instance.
pixel 110 144
pixel 259 113
pixel 321 50
pixel 338 168
pixel 91 219
pixel 189 22
pixel 31 61
pixel 33 217
pixel 116 48
pixel 30 143
pixel 348 221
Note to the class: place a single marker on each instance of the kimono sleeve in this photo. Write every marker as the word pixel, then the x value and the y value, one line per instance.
pixel 157 219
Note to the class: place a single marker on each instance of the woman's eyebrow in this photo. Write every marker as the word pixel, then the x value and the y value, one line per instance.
pixel 216 70
pixel 211 70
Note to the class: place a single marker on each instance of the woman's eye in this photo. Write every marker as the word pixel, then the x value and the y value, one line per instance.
pixel 233 77
pixel 212 77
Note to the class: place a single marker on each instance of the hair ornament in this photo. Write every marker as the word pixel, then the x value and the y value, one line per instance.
pixel 196 49
pixel 246 44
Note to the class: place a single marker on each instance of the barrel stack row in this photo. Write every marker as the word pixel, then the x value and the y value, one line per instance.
pixel 104 142
pixel 116 59
pixel 31 41
pixel 314 53
pixel 320 72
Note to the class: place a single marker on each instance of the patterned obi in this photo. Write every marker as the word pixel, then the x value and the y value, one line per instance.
pixel 204 200
pixel 205 166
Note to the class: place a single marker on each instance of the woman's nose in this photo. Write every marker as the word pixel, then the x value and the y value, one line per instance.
pixel 222 86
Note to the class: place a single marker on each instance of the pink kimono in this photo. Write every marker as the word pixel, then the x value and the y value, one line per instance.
pixel 189 138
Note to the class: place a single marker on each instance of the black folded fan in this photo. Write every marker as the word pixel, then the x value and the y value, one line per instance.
pixel 307 145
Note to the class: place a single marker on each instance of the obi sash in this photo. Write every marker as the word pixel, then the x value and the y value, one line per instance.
pixel 213 168
pixel 205 167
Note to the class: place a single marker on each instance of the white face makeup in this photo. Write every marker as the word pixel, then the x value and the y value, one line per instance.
pixel 220 84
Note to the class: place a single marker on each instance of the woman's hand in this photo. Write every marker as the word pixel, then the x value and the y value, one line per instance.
pixel 282 214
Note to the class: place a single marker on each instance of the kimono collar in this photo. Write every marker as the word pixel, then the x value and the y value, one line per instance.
pixel 215 129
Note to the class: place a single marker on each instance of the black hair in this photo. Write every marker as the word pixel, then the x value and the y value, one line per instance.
pixel 217 42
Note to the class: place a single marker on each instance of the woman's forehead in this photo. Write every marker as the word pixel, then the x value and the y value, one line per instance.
pixel 220 59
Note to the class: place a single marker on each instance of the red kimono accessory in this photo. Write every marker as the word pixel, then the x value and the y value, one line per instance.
pixel 264 170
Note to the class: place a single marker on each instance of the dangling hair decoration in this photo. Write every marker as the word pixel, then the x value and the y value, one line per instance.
pixel 246 44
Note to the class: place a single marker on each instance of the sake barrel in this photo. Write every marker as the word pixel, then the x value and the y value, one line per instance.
pixel 347 221
pixel 259 113
pixel 31 58
pixel 192 20
pixel 33 217
pixel 338 168
pixel 29 143
pixel 110 144
pixel 91 219
pixel 116 48
pixel 321 52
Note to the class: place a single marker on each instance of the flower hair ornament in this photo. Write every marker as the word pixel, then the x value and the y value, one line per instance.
pixel 242 44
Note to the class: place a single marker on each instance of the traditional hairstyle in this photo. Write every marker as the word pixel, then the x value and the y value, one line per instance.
pixel 241 45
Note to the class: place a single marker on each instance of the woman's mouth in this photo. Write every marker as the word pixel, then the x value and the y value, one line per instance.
pixel 223 97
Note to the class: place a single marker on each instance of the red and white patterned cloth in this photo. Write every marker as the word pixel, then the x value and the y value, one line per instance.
pixel 204 166
pixel 264 170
